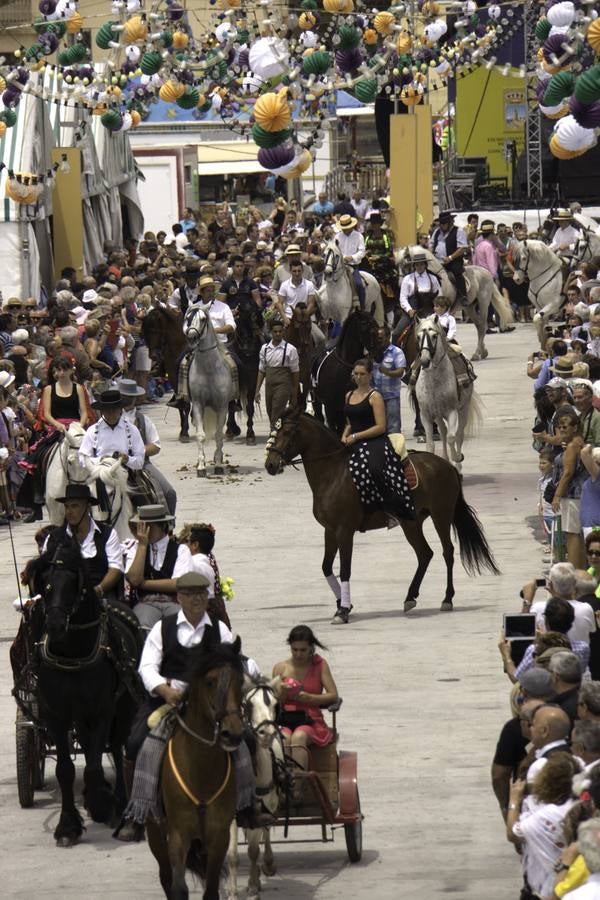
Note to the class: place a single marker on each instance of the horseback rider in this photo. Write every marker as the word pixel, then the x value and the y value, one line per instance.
pixel 566 236
pixel 417 292
pixel 352 247
pixel 223 323
pixel 188 292
pixel 448 244
pixel 163 669
pixel 130 394
pixel 379 245
pixel 112 435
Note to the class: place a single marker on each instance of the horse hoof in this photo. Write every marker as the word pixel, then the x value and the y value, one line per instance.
pixel 201 473
pixel 409 604
pixel 229 435
pixel 269 871
pixel 184 438
pixel 476 357
pixel 421 439
pixel 485 354
pixel 66 841
pixel 250 440
pixel 219 470
pixel 447 606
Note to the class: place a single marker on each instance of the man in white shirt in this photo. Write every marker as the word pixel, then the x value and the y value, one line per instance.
pixel 283 271
pixel 562 583
pixel 279 367
pixel 112 435
pixel 418 290
pixel 352 247
pixel 294 290
pixel 153 564
pixel 179 238
pixel 566 235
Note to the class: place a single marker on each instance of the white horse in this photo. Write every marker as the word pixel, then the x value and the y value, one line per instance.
pixel 440 400
pixel 544 269
pixel 335 294
pixel 211 388
pixel 260 703
pixel 64 468
pixel 114 477
pixel 481 291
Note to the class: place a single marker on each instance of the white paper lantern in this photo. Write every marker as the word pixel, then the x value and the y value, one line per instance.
pixel 435 30
pixel 561 15
pixel 133 53
pixel 572 136
pixel 127 122
pixel 494 11
pixel 309 39
pixel 133 5
pixel 269 57
pixel 224 31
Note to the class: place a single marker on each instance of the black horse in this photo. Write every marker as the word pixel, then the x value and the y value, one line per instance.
pixel 247 341
pixel 86 681
pixel 332 372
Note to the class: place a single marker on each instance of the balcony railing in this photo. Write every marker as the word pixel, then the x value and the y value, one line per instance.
pixel 15 12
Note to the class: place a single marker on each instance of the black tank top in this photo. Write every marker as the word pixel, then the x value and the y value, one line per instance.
pixel 64 407
pixel 360 415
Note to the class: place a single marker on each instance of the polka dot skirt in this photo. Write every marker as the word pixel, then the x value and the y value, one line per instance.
pixel 378 476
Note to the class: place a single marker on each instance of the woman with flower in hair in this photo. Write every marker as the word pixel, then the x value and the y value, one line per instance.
pixel 200 539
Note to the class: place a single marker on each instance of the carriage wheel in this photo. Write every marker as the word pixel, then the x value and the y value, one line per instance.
pixel 28 769
pixel 353 835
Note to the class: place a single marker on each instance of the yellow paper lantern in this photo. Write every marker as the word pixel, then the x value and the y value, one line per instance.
pixel 334 6
pixel 171 91
pixel 3 128
pixel 593 35
pixel 410 97
pixel 404 43
pixel 75 23
pixel 272 111
pixel 384 22
pixel 135 118
pixel 302 165
pixel 306 21
pixel 135 29
pixel 26 198
pixel 348 7
pixel 430 9
pixel 113 90
pixel 370 36
pixel 560 153
pixel 180 40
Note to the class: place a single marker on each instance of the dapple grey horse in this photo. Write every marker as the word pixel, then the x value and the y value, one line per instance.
pixel 335 294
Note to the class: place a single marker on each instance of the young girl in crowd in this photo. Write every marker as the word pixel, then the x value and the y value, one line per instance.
pixel 545 466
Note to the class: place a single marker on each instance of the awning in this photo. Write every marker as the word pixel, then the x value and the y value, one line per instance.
pixel 228 158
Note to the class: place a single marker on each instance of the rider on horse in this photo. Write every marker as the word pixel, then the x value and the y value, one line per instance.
pixel 417 292
pixel 113 434
pixel 352 247
pixel 379 245
pixel 448 244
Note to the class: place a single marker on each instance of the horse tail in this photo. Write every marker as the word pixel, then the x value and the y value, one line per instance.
pixel 474 415
pixel 501 303
pixel 475 553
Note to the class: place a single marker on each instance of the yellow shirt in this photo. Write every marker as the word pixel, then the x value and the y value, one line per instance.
pixel 577 875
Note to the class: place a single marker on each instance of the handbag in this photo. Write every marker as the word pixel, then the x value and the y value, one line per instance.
pixel 293 718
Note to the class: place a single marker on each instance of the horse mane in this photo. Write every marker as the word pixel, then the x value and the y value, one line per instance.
pixel 203 660
pixel 159 312
pixel 321 427
pixel 537 249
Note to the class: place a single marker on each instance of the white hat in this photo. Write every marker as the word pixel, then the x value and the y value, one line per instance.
pixel 20 336
pixel 90 296
pixel 557 383
pixel 80 314
pixel 6 379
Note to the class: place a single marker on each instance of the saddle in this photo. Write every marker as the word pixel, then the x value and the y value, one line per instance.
pixel 399 444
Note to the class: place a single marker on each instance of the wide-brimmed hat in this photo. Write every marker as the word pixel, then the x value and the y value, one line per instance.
pixel 108 288
pixel 12 301
pixel 419 258
pixel 6 379
pixel 78 492
pixel 206 281
pixel 152 513
pixel 90 296
pixel 346 222
pixel 192 581
pixel 563 368
pixel 293 248
pixel 80 314
pixel 108 399
pixel 445 216
pixel 562 215
pixel 129 388
pixel 487 227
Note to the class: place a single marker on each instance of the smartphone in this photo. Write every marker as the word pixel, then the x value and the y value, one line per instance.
pixel 537 354
pixel 519 626
pixel 541 582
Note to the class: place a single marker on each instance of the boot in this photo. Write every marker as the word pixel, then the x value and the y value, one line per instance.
pixel 176 402
pixel 129 831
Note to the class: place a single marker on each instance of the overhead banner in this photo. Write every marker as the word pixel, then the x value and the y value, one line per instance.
pixel 490 113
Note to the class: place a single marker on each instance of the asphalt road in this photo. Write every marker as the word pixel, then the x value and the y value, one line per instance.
pixel 424 694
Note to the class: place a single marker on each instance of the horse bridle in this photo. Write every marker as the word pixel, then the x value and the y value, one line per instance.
pixel 267 689
pixel 285 460
pixel 428 341
pixel 333 266
pixel 523 271
pixel 219 716
pixel 200 333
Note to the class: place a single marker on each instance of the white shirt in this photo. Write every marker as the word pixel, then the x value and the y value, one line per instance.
pixel 114 553
pixel 200 563
pixel 175 298
pixel 152 436
pixel 588 891
pixel 272 356
pixel 187 635
pixel 439 248
pixel 219 314
pixel 424 281
pixel 582 627
pixel 542 831
pixel 351 244
pixel 183 562
pixel 123 438
pixel 292 294
pixel 448 323
pixel 568 235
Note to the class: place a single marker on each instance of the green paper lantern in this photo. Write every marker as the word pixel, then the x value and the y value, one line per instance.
pixel 167 38
pixel 349 37
pixel 243 36
pixel 309 4
pixel 151 63
pixel 542 29
pixel 317 63
pixel 269 138
pixel 9 117
pixel 77 53
pixel 106 34
pixel 41 26
pixel 587 86
pixel 111 120
pixel 216 67
pixel 560 86
pixel 35 52
pixel 365 90
pixel 63 58
pixel 189 98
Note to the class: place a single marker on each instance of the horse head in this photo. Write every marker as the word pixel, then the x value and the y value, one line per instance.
pixel 154 327
pixel 430 340
pixel 62 587
pixel 366 328
pixel 283 445
pixel 74 435
pixel 215 691
pixel 199 328
pixel 520 260
pixel 334 263
pixel 261 707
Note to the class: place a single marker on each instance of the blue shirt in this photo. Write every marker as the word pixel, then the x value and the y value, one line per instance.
pixel 545 374
pixel 186 224
pixel 393 358
pixel 322 209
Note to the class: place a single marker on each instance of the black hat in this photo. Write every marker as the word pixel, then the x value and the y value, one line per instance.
pixel 110 398
pixel 445 216
pixel 78 492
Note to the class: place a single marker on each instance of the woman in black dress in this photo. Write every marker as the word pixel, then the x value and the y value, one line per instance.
pixel 375 467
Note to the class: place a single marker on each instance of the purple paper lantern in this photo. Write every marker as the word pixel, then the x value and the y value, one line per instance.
pixel 585 114
pixel 244 58
pixel 11 97
pixel 275 157
pixel 554 44
pixel 47 7
pixel 347 60
pixel 49 42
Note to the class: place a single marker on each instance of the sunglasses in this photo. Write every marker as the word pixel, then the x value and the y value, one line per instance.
pixel 593 553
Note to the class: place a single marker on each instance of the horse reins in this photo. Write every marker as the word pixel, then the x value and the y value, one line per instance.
pixel 186 790
pixel 523 271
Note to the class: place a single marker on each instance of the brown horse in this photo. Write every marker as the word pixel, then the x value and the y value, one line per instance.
pixel 338 509
pixel 166 342
pixel 299 333
pixel 197 779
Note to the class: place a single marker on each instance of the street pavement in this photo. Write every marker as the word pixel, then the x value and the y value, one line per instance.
pixel 424 693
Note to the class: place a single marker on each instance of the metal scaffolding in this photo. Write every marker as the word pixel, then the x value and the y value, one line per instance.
pixel 533 129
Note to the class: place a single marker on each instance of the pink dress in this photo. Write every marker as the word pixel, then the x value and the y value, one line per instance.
pixel 320 733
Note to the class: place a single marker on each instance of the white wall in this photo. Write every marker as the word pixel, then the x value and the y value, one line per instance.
pixel 158 193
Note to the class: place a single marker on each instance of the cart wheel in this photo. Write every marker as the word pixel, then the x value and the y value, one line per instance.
pixel 27 760
pixel 40 755
pixel 353 835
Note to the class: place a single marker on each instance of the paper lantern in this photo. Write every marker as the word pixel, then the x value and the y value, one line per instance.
pixel 2 129
pixel 587 86
pixel 170 91
pixel 348 60
pixel 135 29
pixel 301 166
pixel 365 90
pixel 335 6
pixel 274 157
pixel 555 112
pixel 269 57
pixel 269 138
pixel 317 63
pixel 19 191
pixel 307 21
pixel 107 35
pixel 180 40
pixel 151 63
pixel 9 117
pixel 585 114
pixel 135 118
pixel 349 37
pixel 272 111
pixel 559 87
pixel 112 120
pixel 75 23
pixel 593 35
pixel 554 45
pixel 189 98
pixel 384 22
pixel 435 30
pixel 404 43
pixel 410 96
pixel 560 153
pixel 572 136
pixel 309 39
pixel 561 15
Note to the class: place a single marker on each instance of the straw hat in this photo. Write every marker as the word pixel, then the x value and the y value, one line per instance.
pixel 563 215
pixel 206 281
pixel 346 222
pixel 152 513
